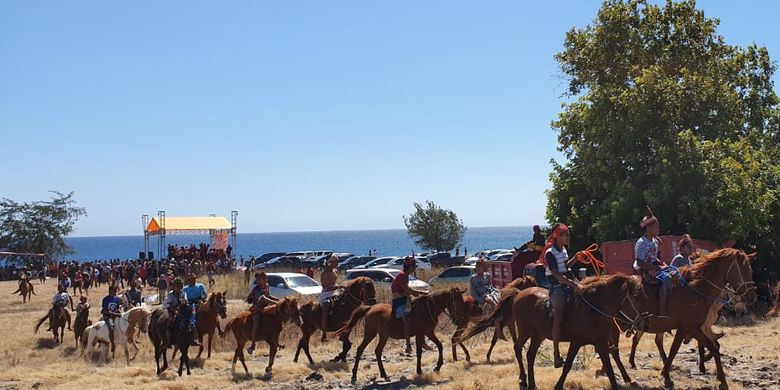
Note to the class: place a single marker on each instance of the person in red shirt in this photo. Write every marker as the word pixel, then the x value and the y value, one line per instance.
pixel 401 292
pixel 142 274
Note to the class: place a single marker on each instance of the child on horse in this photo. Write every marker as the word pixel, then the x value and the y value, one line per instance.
pixel 646 258
pixel 330 289
pixel 259 297
pixel 195 293
pixel 173 302
pixel 60 302
pixel 132 297
pixel 110 309
pixel 480 287
pixel 686 248
pixel 401 292
pixel 561 280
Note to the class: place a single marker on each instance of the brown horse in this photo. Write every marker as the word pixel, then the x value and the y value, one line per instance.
pixel 424 314
pixel 81 322
pixel 356 292
pixel 59 320
pixel 272 321
pixel 590 320
pixel 689 306
pixel 26 289
pixel 775 311
pixel 207 320
pixel 473 314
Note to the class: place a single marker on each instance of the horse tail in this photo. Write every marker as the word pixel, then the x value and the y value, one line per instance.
pixel 488 321
pixel 32 289
pixel 38 324
pixel 356 316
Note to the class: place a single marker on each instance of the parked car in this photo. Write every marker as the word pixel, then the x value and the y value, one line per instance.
pixel 354 261
pixel 319 260
pixel 289 259
pixel 383 277
pixel 282 284
pixel 456 275
pixel 444 259
pixel 502 257
pixel 398 263
pixel 265 257
pixel 377 262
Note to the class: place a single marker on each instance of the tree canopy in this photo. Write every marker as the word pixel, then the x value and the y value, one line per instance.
pixel 661 111
pixel 39 226
pixel 434 228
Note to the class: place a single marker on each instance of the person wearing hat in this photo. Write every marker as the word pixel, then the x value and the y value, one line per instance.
pixel 646 257
pixel 173 302
pixel 561 280
pixel 195 293
pixel 401 292
pixel 132 296
pixel 110 309
pixel 330 289
pixel 60 302
pixel 82 305
pixel 259 297
pixel 686 248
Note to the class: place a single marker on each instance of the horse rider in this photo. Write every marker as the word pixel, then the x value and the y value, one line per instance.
pixel 686 248
pixel 172 304
pixel 537 242
pixel 646 258
pixel 60 302
pixel 401 292
pixel 561 279
pixel 195 293
pixel 111 306
pixel 330 289
pixel 259 297
pixel 132 295
pixel 82 305
pixel 480 287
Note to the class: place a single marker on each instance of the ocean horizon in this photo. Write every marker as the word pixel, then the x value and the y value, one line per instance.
pixel 386 242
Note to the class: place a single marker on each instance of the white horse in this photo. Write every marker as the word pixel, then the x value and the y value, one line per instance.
pixel 124 330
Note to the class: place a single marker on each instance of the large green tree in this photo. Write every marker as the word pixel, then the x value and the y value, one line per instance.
pixel 434 228
pixel 40 226
pixel 661 111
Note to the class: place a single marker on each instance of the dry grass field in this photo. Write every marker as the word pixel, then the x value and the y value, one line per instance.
pixel 27 360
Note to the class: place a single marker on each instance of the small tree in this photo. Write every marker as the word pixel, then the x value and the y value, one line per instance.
pixel 434 228
pixel 39 227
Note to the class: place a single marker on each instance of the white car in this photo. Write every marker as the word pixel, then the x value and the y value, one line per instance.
pixel 471 260
pixel 384 277
pixel 494 256
pixel 282 284
pixel 378 262
pixel 398 263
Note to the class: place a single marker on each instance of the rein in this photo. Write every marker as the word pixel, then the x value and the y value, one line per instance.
pixel 748 286
pixel 447 309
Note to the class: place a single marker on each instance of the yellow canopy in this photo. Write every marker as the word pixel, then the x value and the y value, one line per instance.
pixel 189 224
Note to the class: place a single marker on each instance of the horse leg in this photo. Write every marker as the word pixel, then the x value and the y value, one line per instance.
pixel 440 362
pixel 368 336
pixel 454 343
pixel 127 352
pixel 185 354
pixel 634 343
pixel 346 345
pixel 165 358
pixel 702 338
pixel 273 344
pixel 157 356
pixel 570 355
pixel 181 361
pixel 211 338
pixel 419 339
pixel 702 368
pixel 493 343
pixel 200 341
pixel 518 347
pixel 604 352
pixel 615 352
pixel 678 339
pixel 380 346
pixel 533 348
pixel 175 349
pixel 659 342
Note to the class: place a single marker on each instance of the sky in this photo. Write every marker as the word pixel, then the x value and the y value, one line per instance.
pixel 300 115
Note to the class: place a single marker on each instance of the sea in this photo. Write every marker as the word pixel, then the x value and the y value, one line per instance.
pixel 391 242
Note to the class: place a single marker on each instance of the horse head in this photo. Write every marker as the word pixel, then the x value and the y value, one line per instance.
pixel 289 309
pixel 363 289
pixel 218 301
pixel 740 277
pixel 139 315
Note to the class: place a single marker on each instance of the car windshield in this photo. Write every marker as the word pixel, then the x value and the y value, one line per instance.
pixel 301 281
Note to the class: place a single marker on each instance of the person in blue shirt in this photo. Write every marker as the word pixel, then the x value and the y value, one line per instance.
pixel 195 293
pixel 110 310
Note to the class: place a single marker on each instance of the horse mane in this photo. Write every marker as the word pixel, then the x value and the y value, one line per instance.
pixel 522 283
pixel 604 287
pixel 358 280
pixel 706 264
pixel 274 309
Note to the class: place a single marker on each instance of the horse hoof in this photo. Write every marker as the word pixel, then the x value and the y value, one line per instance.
pixel 437 369
pixel 354 380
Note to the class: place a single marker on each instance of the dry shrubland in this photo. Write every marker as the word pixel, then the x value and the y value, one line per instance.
pixel 32 361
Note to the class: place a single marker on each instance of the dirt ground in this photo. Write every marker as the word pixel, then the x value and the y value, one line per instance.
pixel 751 354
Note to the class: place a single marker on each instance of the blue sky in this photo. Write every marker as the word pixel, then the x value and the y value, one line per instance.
pixel 301 115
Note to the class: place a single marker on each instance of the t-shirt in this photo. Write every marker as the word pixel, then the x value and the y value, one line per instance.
pixel 61 298
pixel 645 250
pixel 195 292
pixel 399 285
pixel 111 303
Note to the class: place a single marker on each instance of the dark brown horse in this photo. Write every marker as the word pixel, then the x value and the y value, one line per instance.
pixel 81 322
pixel 356 292
pixel 590 319
pixel 689 306
pixel 59 319
pixel 182 337
pixel 272 321
pixel 425 311
pixel 472 313
pixel 207 320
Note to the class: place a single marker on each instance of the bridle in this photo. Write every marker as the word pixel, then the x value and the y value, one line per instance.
pixel 746 285
pixel 448 309
pixel 631 325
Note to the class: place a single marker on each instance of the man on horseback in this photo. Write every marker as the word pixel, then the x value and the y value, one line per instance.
pixel 173 302
pixel 683 259
pixel 259 297
pixel 195 293
pixel 646 261
pixel 110 309
pixel 60 302
pixel 330 289
pixel 401 292
pixel 480 287
pixel 561 280
pixel 132 296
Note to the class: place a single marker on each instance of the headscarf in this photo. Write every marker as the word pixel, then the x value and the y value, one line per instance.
pixel 556 232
